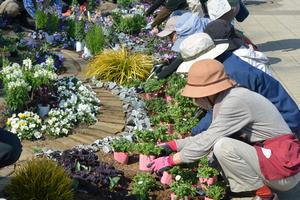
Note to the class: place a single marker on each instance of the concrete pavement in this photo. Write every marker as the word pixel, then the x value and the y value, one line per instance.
pixel 274 26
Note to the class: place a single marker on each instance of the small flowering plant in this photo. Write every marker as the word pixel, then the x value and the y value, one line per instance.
pixel 58 123
pixel 142 184
pixel 79 99
pixel 27 125
pixel 15 86
pixel 183 189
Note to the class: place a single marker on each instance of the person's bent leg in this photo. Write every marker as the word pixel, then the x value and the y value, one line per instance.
pixel 239 163
pixel 10 148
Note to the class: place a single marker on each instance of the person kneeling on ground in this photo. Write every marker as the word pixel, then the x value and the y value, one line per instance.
pixel 10 148
pixel 240 112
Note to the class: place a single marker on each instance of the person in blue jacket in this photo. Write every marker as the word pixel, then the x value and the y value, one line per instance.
pixel 200 46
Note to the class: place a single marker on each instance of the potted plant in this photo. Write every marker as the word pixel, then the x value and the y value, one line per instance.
pixel 147 151
pixel 182 190
pixel 79 34
pixel 207 175
pixel 94 39
pixel 153 88
pixel 215 192
pixel 121 148
pixel 145 136
pixel 43 98
pixel 142 184
pixel 166 178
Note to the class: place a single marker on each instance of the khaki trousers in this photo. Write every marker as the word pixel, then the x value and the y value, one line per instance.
pixel 240 165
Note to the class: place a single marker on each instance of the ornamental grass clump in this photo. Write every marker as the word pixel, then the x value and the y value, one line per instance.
pixel 120 66
pixel 40 179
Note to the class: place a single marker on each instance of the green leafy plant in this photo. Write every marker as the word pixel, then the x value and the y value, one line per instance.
pixel 148 149
pixel 95 39
pixel 70 27
pixel 122 145
pixel 184 174
pixel 41 19
pixel 125 3
pixel 40 179
pixel 53 22
pixel 142 184
pixel 79 30
pixel 207 172
pixel 153 85
pixel 185 125
pixel 175 83
pixel 183 189
pixel 215 192
pixel 156 105
pixel 145 136
pixel 91 5
pixel 131 24
pixel 119 66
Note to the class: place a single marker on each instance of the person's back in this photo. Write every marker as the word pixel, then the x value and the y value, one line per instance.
pixel 262 83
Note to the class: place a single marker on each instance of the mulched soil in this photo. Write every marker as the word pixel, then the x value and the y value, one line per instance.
pixel 123 192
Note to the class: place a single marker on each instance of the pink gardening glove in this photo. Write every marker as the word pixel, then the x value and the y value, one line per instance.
pixel 168 147
pixel 161 164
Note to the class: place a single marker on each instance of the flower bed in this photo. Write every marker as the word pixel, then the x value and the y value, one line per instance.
pixel 70 103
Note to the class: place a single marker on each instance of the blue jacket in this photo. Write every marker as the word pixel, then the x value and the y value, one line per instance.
pixel 258 81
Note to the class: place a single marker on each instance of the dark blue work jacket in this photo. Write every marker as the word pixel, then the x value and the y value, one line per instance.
pixel 258 81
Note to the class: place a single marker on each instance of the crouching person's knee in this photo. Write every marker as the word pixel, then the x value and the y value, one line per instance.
pixel 222 148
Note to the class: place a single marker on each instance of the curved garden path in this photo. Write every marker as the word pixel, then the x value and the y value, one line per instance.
pixel 111 118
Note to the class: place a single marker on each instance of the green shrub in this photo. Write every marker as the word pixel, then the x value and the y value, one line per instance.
pixel 95 39
pixel 142 184
pixel 40 179
pixel 79 30
pixel 40 19
pixel 53 23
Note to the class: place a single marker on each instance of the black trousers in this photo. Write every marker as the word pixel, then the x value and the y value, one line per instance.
pixel 10 148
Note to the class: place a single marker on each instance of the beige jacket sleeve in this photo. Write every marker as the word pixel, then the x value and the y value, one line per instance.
pixel 232 117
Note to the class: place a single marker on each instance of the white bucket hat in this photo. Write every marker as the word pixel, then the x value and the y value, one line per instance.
pixel 197 47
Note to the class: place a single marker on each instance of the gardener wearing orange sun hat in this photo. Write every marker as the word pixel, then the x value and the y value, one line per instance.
pixel 240 112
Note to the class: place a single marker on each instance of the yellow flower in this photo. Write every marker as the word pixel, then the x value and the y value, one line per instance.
pixel 22 123
pixel 8 122
pixel 21 115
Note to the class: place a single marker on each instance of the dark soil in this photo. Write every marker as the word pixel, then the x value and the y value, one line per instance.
pixel 123 192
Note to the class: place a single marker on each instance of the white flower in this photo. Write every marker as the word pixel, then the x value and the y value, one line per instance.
pixel 37 135
pixel 177 177
pixel 27 63
pixel 140 182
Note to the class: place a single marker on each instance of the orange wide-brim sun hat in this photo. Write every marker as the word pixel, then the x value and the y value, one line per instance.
pixel 206 78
